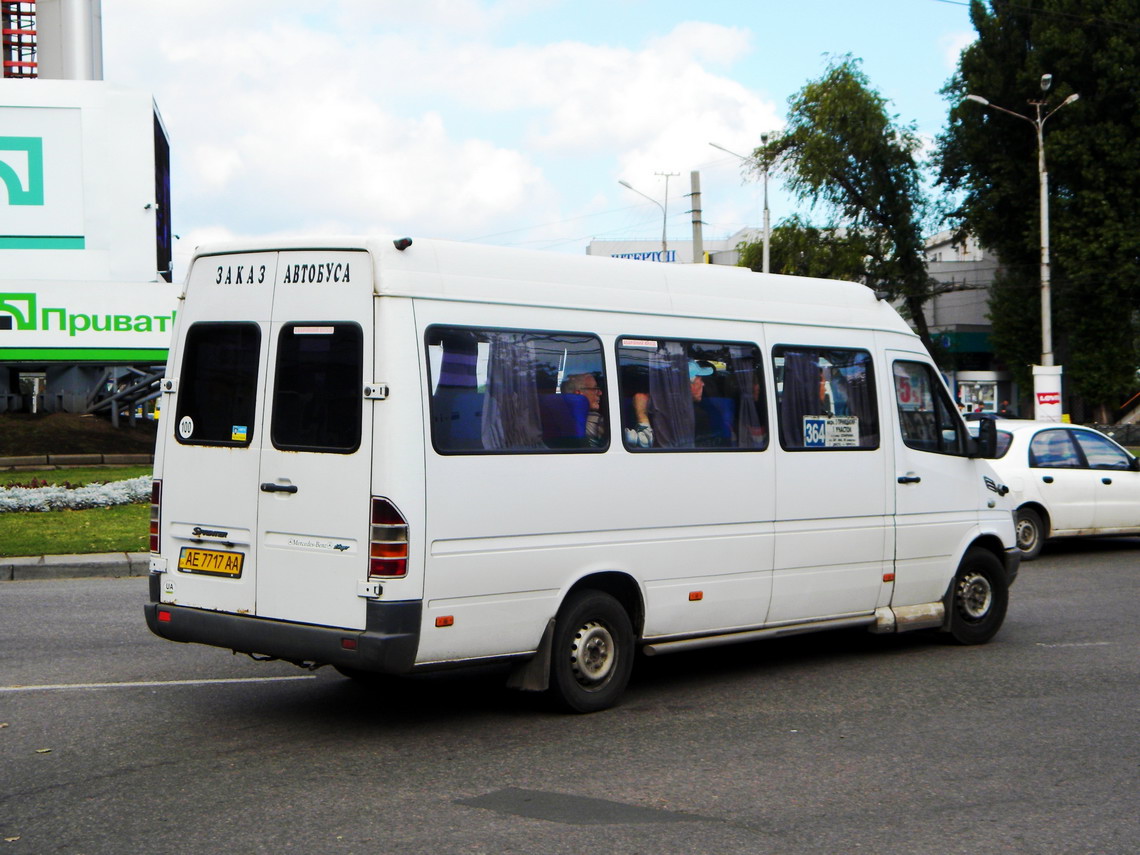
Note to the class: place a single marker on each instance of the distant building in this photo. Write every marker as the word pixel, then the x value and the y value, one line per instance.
pixel 959 322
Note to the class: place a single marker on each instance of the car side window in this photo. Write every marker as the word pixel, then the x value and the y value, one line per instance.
pixel 1102 453
pixel 1053 449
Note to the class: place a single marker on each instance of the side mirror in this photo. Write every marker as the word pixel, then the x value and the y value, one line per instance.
pixel 1135 465
pixel 985 446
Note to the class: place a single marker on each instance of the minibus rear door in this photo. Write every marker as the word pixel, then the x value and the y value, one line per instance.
pixel 313 487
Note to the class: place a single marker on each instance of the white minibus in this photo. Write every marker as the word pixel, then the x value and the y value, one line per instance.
pixel 391 456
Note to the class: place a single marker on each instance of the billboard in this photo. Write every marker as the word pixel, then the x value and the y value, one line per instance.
pixel 84 183
pixel 126 322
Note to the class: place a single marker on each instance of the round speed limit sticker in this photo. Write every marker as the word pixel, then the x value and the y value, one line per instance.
pixel 186 427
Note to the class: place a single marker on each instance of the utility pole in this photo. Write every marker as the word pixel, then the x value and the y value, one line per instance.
pixel 665 213
pixel 698 237
pixel 1047 375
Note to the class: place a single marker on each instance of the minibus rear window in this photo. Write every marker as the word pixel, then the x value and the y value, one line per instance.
pixel 217 391
pixel 318 390
pixel 825 399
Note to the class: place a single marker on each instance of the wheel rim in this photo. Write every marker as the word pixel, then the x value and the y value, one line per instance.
pixel 1026 534
pixel 975 596
pixel 592 655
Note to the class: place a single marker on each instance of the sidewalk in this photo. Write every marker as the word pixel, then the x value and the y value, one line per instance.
pixel 111 564
pixel 62 461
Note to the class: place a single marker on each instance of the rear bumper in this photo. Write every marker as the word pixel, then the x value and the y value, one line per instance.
pixel 1012 564
pixel 387 644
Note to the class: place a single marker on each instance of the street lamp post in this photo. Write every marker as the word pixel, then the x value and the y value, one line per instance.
pixel 664 213
pixel 767 222
pixel 1047 375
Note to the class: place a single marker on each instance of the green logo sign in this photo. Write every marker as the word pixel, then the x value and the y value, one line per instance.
pixel 31 151
pixel 22 308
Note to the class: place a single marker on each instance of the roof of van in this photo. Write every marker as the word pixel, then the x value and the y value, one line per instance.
pixel 451 270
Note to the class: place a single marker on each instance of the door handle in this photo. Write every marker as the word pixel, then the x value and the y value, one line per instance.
pixel 1048 479
pixel 1106 480
pixel 909 479
pixel 278 488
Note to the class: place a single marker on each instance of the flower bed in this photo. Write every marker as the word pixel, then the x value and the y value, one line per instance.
pixel 57 498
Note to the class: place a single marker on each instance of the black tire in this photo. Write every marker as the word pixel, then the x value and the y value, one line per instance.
pixel 979 597
pixel 1030 533
pixel 592 656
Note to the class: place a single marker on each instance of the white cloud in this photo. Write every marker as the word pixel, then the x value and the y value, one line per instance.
pixel 952 45
pixel 409 118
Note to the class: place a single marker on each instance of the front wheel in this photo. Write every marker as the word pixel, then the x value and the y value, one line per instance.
pixel 592 656
pixel 979 597
pixel 1030 533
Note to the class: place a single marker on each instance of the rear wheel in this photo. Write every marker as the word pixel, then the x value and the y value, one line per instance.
pixel 979 598
pixel 1030 533
pixel 592 655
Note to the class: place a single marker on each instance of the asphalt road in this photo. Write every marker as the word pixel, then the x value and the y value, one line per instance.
pixel 113 741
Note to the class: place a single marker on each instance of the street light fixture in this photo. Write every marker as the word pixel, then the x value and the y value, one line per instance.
pixel 664 212
pixel 764 168
pixel 1047 381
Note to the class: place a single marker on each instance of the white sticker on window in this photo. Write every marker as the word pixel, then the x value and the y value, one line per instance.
pixel 831 432
pixel 186 427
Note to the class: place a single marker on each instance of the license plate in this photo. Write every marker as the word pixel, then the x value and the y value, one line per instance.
pixel 211 561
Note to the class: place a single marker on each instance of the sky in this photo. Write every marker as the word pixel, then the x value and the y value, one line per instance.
pixel 506 122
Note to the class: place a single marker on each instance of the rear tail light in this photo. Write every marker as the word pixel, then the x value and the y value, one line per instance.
pixel 387 541
pixel 155 513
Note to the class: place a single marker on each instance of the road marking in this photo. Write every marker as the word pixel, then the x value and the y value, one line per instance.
pixel 144 684
pixel 1077 644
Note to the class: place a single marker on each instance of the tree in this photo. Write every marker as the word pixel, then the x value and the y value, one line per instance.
pixel 800 249
pixel 842 149
pixel 1091 47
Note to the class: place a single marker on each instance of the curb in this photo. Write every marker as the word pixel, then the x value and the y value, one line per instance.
pixel 106 564
pixel 47 461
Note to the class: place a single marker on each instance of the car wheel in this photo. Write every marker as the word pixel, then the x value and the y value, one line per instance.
pixel 592 656
pixel 979 597
pixel 1030 533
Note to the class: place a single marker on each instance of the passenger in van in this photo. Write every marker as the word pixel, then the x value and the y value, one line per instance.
pixel 586 384
pixel 640 435
pixel 706 429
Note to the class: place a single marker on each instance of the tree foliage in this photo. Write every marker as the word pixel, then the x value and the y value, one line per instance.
pixel 843 150
pixel 1091 47
pixel 800 249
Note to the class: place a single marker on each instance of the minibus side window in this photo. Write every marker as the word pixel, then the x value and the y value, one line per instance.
pixel 691 395
pixel 825 399
pixel 927 418
pixel 217 391
pixel 509 391
pixel 318 390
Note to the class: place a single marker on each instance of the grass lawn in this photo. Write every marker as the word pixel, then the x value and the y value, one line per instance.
pixel 122 528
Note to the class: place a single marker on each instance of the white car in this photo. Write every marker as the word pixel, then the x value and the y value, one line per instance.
pixel 1066 480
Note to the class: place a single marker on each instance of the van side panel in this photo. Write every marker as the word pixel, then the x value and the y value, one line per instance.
pixel 508 533
pixel 397 435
